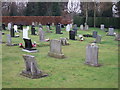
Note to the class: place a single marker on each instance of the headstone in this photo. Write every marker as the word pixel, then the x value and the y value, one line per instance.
pixel 33 30
pixel 41 35
pixel 33 23
pixel 98 39
pixel 9 40
pixel 12 33
pixel 64 41
pixel 3 27
pixel 56 49
pixel 94 34
pixel 92 55
pixel 68 27
pixel 72 35
pixel 75 29
pixel 58 29
pixel 102 27
pixel 81 27
pixel 31 70
pixel 21 27
pixel 9 26
pixel 53 24
pixel 15 28
pixel 86 26
pixel 25 32
pixel 28 46
pixel 48 24
pixel 111 32
pixel 117 37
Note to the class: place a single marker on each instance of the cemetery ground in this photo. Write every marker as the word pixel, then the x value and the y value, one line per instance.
pixel 70 72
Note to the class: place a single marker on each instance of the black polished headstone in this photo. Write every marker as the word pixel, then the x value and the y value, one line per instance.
pixel 72 35
pixel 28 43
pixel 12 33
pixel 58 29
pixel 3 27
pixel 33 30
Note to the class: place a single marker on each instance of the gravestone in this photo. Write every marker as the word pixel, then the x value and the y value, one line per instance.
pixel 75 29
pixel 86 26
pixel 64 41
pixel 72 35
pixel 15 28
pixel 3 27
pixel 31 68
pixel 68 27
pixel 58 29
pixel 21 27
pixel 12 33
pixel 111 32
pixel 9 26
pixel 25 32
pixel 94 34
pixel 41 35
pixel 56 49
pixel 81 27
pixel 53 24
pixel 28 46
pixel 92 55
pixel 33 30
pixel 9 40
pixel 33 23
pixel 102 27
pixel 117 37
pixel 98 39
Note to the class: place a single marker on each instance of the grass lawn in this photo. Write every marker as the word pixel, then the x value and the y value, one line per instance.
pixel 70 72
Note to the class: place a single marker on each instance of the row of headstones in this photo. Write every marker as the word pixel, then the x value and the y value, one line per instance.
pixel 32 70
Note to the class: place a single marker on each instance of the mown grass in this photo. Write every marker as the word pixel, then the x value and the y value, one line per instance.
pixel 70 72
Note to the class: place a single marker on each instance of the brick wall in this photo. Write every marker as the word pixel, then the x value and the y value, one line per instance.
pixel 29 19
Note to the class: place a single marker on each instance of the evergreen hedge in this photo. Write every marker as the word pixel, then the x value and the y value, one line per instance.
pixel 107 21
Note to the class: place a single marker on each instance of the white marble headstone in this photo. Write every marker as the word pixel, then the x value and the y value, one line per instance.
pixel 102 27
pixel 25 32
pixel 9 26
pixel 81 27
pixel 15 28
pixel 68 27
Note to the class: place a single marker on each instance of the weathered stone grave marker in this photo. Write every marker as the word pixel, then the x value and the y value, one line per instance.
pixel 31 70
pixel 41 35
pixel 64 41
pixel 56 49
pixel 92 55
pixel 94 34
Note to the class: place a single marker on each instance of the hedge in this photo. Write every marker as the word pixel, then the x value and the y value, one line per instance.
pixel 107 21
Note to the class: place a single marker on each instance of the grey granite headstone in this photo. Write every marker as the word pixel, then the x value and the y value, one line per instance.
pixel 94 34
pixel 64 41
pixel 111 32
pixel 86 26
pixel 98 39
pixel 117 37
pixel 56 49
pixel 9 40
pixel 41 35
pixel 31 70
pixel 92 55
pixel 81 27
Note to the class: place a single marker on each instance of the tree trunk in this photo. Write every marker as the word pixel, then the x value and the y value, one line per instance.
pixel 86 21
pixel 94 14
